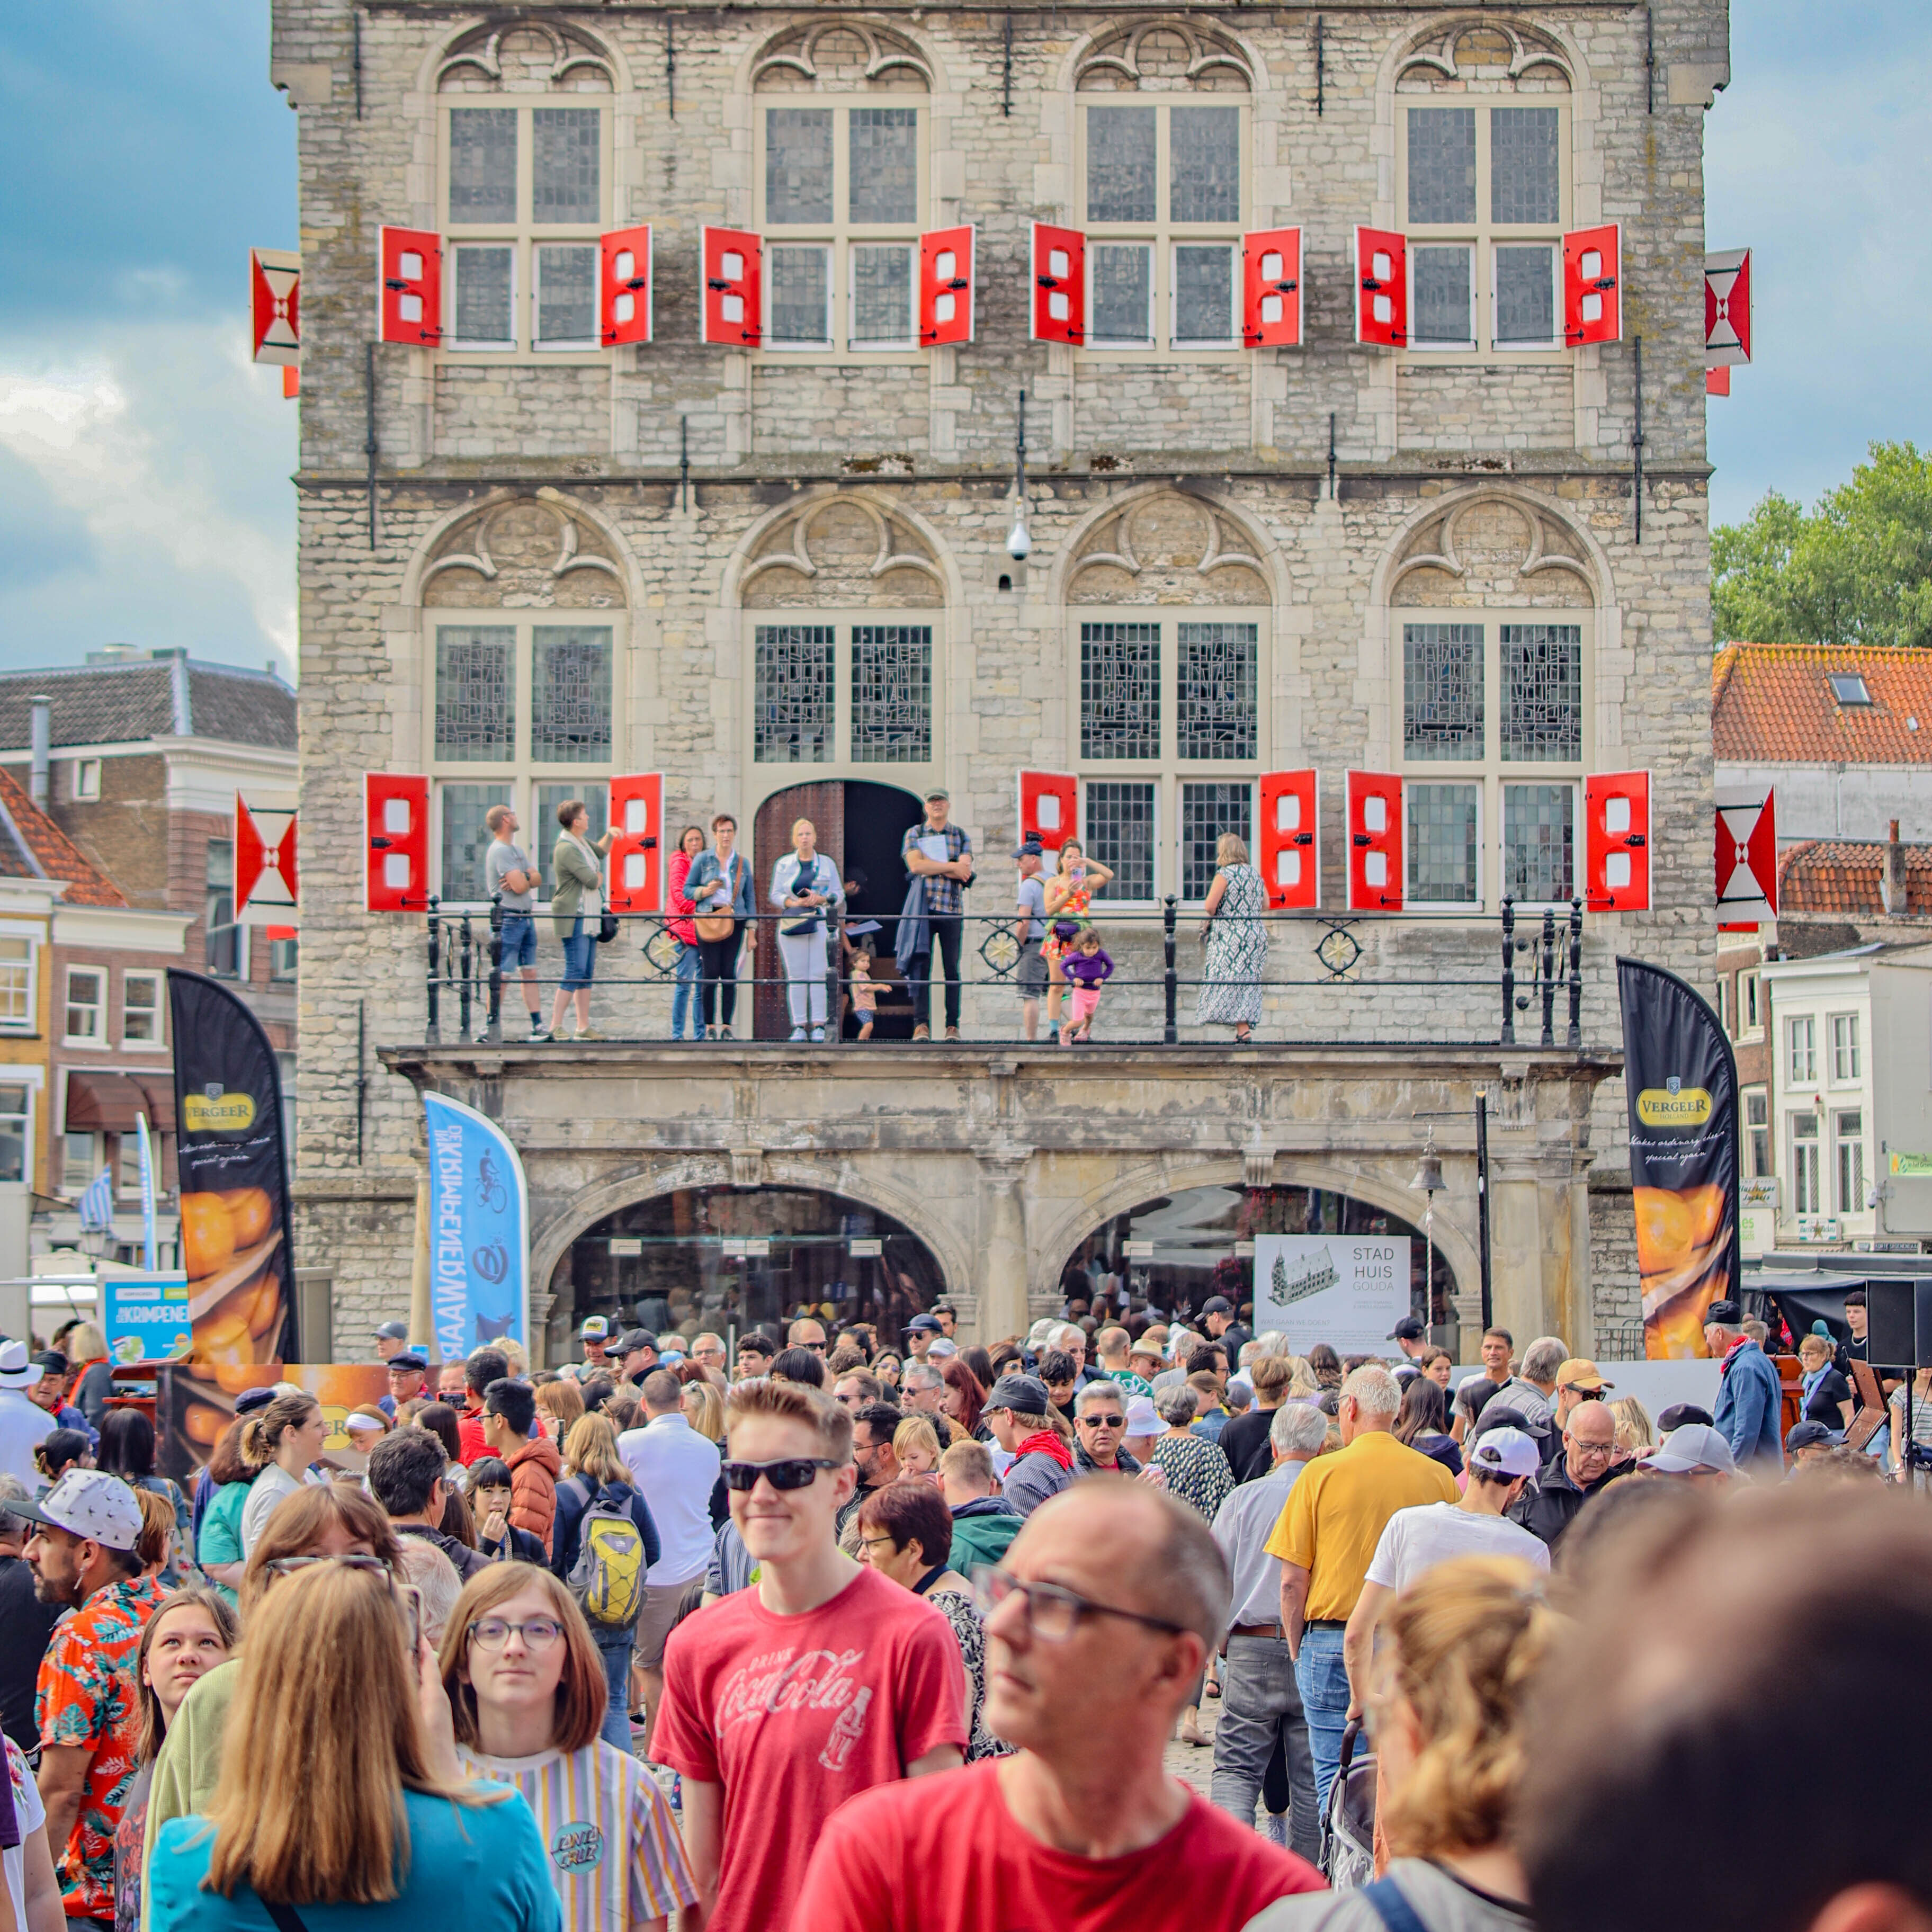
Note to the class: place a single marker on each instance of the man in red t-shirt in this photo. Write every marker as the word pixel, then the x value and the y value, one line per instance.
pixel 485 1365
pixel 820 1681
pixel 1110 1600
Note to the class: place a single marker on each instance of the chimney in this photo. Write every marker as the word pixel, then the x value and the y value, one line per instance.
pixel 40 742
pixel 1891 884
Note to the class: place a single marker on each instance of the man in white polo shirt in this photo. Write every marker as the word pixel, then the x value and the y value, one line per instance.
pixel 675 1470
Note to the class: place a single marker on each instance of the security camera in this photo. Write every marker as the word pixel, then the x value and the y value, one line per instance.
pixel 1018 543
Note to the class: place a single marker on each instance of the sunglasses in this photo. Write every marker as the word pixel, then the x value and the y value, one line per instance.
pixel 789 1472
pixel 1102 1421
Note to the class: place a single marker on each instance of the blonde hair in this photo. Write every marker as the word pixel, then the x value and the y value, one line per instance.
pixel 1816 1344
pixel 802 825
pixel 1462 1645
pixel 516 1355
pixel 306 1812
pixel 562 1402
pixel 969 1461
pixel 792 1402
pixel 85 1343
pixel 1231 849
pixel 1632 1415
pixel 915 1433
pixel 591 1450
pixel 157 1527
pixel 704 1410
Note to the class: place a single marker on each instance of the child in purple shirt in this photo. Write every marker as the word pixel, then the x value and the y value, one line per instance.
pixel 1088 968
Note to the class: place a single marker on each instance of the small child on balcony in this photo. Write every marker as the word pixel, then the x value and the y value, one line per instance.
pixel 1088 968
pixel 865 995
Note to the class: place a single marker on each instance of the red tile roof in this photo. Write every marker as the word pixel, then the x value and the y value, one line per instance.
pixel 1842 875
pixel 36 846
pixel 1770 703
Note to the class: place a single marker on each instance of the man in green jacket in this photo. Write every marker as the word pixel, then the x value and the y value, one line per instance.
pixel 983 1522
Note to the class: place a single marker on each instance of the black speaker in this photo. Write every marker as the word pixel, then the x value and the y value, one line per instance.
pixel 1898 1314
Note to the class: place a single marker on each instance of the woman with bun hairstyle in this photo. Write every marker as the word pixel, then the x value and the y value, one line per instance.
pixel 282 1440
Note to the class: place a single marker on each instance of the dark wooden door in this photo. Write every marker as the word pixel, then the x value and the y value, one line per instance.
pixel 824 803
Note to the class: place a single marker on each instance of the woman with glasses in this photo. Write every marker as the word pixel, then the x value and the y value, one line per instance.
pixel 527 1695
pixel 340 1785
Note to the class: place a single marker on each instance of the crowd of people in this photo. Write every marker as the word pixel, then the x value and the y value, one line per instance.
pixel 829 1638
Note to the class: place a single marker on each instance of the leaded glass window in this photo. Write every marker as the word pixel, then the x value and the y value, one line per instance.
pixel 1440 312
pixel 482 164
pixel 1215 671
pixel 1204 293
pixel 465 838
pixel 1442 165
pixel 1119 690
pixel 1123 291
pixel 1442 844
pixel 1207 811
pixel 882 294
pixel 884 155
pixel 1525 166
pixel 485 297
pixel 567 295
pixel 540 841
pixel 1122 144
pixel 1526 296
pixel 1442 691
pixel 1542 713
pixel 892 693
pixel 1204 164
pixel 475 693
pixel 801 292
pixel 564 164
pixel 570 694
pixel 798 165
pixel 1539 841
pixel 1119 834
pixel 794 695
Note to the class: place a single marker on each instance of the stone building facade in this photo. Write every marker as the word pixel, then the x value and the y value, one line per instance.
pixel 753 569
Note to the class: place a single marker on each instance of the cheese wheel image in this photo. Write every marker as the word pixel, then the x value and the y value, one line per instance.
pixel 250 1213
pixel 1671 1225
pixel 208 1233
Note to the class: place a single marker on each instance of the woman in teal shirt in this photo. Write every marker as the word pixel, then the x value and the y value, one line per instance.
pixel 341 1796
pixel 217 1549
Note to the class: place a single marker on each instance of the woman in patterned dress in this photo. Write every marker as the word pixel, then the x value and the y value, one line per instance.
pixel 1231 978
pixel 1068 894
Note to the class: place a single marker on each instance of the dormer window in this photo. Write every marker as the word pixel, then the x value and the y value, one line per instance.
pixel 1848 687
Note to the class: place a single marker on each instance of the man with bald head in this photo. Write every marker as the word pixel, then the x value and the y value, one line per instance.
pixel 1109 1604
pixel 1549 1506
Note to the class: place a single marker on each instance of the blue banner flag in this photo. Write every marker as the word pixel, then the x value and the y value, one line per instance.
pixel 147 1193
pixel 479 1223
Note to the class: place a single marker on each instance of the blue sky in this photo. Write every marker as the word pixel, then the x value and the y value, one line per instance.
pixel 144 461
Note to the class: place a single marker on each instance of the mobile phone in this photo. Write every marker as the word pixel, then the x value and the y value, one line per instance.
pixel 410 1600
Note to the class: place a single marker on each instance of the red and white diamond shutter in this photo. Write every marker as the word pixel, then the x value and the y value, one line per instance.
pixel 1374 842
pixel 624 286
pixel 1382 289
pixel 1059 284
pixel 945 287
pixel 1747 871
pixel 1616 841
pixel 1727 308
pixel 395 817
pixel 274 300
pixel 732 261
pixel 265 881
pixel 637 852
pixel 408 285
pixel 1271 288
pixel 1049 808
pixel 1290 848
pixel 1593 303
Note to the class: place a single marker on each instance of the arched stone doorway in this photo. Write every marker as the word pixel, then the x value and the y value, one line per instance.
pixel 728 1258
pixel 1173 1251
pixel 860 825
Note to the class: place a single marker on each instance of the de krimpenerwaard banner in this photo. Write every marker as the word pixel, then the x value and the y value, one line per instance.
pixel 1680 1081
pixel 235 1240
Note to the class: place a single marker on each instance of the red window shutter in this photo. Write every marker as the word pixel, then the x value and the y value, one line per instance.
pixel 1727 308
pixel 637 852
pixel 1271 288
pixel 1747 853
pixel 1049 808
pixel 274 297
pixel 733 291
pixel 409 289
pixel 1717 381
pixel 1376 879
pixel 1593 301
pixel 265 859
pixel 1290 846
pixel 395 813
pixel 624 289
pixel 1616 841
pixel 1381 293
pixel 945 287
pixel 1059 284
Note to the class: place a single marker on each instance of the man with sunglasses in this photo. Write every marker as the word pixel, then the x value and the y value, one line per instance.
pixel 823 1679
pixel 1098 1625
pixel 1099 1428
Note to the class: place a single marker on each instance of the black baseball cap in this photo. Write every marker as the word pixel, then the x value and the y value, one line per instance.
pixel 634 1338
pixel 1031 849
pixel 1808 1435
pixel 1728 1313
pixel 1408 1329
pixel 1217 1304
pixel 924 1325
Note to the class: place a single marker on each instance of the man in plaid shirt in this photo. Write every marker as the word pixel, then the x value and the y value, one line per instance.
pixel 946 879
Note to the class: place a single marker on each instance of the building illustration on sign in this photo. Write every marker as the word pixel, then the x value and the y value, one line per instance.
pixel 1315 1273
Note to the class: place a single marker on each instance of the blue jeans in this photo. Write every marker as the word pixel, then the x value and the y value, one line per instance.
pixel 614 1647
pixel 684 993
pixel 520 940
pixel 1323 1680
pixel 580 956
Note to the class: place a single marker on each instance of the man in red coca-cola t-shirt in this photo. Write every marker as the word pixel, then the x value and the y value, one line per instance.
pixel 820 1681
pixel 1109 1602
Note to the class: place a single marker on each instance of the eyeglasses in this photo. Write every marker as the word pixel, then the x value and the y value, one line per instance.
pixel 877 1542
pixel 1581 1450
pixel 1052 1614
pixel 494 1633
pixel 1102 1421
pixel 789 1472
pixel 287 1566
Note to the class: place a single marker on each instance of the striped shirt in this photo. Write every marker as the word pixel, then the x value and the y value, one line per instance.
pixel 615 1855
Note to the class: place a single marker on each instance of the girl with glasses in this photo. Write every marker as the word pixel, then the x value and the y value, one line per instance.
pixel 527 1695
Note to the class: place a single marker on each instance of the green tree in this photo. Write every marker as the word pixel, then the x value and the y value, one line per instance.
pixel 1857 570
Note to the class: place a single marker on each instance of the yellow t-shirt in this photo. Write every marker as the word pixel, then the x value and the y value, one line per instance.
pixel 1335 1514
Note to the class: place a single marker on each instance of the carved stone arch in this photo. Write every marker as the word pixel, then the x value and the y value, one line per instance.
pixel 1162 54
pixel 842 548
pixel 524 549
pixel 1492 544
pixel 516 55
pixel 1484 51
pixel 1162 544
pixel 849 54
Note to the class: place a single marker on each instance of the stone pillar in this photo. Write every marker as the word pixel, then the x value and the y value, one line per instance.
pixel 1003 1250
pixel 1515 1251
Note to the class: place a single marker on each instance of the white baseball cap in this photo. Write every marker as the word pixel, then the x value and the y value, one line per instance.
pixel 1506 1452
pixel 1696 1446
pixel 89 1503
